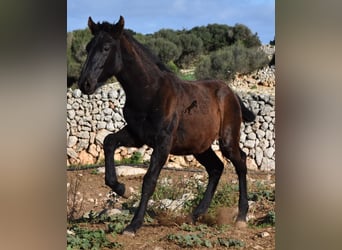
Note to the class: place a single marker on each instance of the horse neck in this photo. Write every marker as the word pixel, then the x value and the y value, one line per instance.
pixel 139 77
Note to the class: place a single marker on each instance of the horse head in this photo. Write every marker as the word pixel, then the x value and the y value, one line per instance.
pixel 103 55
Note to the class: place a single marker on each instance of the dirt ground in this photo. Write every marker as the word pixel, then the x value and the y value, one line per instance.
pixel 87 186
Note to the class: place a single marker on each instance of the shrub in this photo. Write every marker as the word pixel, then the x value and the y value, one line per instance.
pixel 224 63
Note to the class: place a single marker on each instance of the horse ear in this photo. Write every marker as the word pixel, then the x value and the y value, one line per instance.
pixel 119 27
pixel 92 26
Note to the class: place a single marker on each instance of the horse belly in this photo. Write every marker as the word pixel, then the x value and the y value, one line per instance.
pixel 195 136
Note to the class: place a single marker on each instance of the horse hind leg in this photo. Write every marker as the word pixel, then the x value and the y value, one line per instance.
pixel 110 144
pixel 214 167
pixel 230 149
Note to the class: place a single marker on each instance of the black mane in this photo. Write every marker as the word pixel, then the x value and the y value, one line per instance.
pixel 147 51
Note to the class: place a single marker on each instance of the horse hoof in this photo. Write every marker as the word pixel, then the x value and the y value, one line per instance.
pixel 127 193
pixel 128 233
pixel 241 224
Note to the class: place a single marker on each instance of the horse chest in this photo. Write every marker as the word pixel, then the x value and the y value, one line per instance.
pixel 143 125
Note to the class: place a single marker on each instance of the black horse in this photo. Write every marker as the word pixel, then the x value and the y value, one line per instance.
pixel 168 114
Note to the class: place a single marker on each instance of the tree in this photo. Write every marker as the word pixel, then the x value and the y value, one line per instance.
pixel 76 53
pixel 191 47
pixel 244 34
pixel 166 50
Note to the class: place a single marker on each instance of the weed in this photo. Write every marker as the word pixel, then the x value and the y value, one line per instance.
pixel 136 158
pixel 95 171
pixel 267 220
pixel 230 242
pixel 261 192
pixel 88 239
pixel 187 240
pixel 187 76
pixel 225 196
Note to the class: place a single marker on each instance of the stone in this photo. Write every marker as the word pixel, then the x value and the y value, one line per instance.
pixel 72 140
pixel 107 111
pixel 250 144
pixel 71 114
pixel 264 234
pixel 113 94
pixel 264 126
pixel 75 106
pixel 80 113
pixel 76 93
pixel 259 154
pixel 101 125
pixel 248 129
pixel 269 135
pixel 92 136
pixel 189 157
pixel 251 136
pixel 84 135
pixel 267 164
pixel 123 170
pixel 111 212
pixel 260 133
pixel 86 158
pixel 268 119
pixel 117 117
pixel 269 152
pixel 72 153
pixel 92 150
pixel 251 164
pixel 101 135
pixel 243 137
pixel 82 144
pixel 110 126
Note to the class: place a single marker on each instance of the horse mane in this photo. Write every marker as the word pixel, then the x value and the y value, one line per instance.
pixel 146 51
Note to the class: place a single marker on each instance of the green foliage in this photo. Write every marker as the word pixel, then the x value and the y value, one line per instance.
pixel 76 52
pixel 225 196
pixel 243 34
pixel 136 158
pixel 230 242
pixel 173 67
pixel 224 63
pixel 191 47
pixel 89 239
pixel 268 220
pixel 262 192
pixel 164 49
pixel 187 76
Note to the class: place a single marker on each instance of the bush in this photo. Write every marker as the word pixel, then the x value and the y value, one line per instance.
pixel 224 63
pixel 167 51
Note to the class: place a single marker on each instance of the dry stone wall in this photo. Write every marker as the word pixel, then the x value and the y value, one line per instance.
pixel 91 118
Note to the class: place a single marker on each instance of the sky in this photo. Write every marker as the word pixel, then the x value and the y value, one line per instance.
pixel 149 16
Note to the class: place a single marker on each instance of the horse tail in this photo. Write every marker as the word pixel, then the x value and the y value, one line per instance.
pixel 247 115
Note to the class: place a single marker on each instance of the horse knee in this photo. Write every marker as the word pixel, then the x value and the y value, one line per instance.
pixel 109 142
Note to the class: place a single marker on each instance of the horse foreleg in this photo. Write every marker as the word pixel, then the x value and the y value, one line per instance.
pixel 214 167
pixel 110 144
pixel 158 159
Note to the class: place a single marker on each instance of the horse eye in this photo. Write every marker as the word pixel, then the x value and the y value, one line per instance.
pixel 106 48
